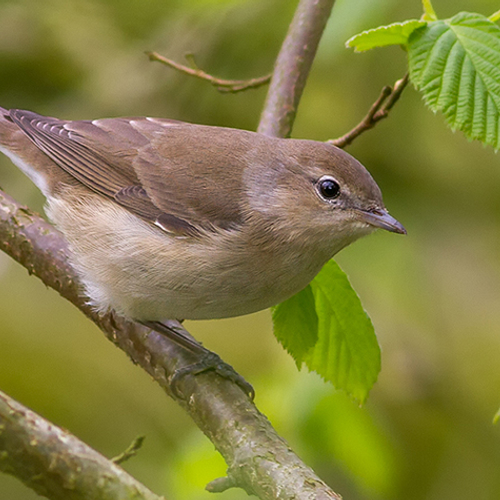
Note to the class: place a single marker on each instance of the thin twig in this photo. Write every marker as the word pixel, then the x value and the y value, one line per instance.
pixel 219 83
pixel 379 110
pixel 220 485
pixel 130 452
pixel 292 67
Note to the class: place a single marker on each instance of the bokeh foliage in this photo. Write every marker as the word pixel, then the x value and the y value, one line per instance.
pixel 433 296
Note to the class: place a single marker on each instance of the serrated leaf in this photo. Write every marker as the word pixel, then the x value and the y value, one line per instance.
pixel 296 324
pixel 393 34
pixel 326 327
pixel 347 352
pixel 455 63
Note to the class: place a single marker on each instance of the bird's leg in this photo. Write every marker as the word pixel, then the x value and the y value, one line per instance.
pixel 207 360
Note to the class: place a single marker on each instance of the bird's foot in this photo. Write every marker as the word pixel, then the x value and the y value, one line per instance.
pixel 209 361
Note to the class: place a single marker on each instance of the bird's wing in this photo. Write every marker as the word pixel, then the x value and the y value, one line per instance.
pixel 173 174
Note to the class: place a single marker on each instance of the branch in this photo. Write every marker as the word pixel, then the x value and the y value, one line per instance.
pixel 220 84
pixel 292 67
pixel 56 464
pixel 259 460
pixel 379 110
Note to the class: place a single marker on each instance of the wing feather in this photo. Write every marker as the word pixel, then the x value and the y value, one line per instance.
pixel 158 169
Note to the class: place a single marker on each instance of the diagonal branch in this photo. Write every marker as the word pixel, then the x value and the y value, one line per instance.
pixel 220 84
pixel 223 412
pixel 378 111
pixel 292 67
pixel 55 463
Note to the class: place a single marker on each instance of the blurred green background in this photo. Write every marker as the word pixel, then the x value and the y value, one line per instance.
pixel 434 296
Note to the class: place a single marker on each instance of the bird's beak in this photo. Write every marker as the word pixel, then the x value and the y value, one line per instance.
pixel 382 219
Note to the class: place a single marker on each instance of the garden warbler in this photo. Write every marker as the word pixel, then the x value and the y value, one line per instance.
pixel 167 219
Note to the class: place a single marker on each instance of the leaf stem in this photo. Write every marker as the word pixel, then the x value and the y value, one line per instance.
pixel 495 16
pixel 496 418
pixel 429 13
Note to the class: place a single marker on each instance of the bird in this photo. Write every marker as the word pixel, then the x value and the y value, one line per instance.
pixel 173 220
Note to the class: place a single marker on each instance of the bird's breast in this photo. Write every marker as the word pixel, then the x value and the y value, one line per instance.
pixel 146 274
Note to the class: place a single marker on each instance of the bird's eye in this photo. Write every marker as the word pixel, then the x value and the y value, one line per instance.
pixel 328 188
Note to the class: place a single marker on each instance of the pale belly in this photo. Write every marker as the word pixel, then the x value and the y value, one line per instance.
pixel 146 274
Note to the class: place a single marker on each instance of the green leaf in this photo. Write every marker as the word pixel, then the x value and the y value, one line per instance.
pixel 496 418
pixel 326 327
pixel 455 63
pixel 393 34
pixel 296 324
pixel 347 352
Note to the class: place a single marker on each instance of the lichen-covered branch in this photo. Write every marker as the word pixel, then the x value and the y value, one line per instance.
pixel 292 67
pixel 55 463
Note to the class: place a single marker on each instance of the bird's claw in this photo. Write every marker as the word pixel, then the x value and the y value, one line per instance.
pixel 211 362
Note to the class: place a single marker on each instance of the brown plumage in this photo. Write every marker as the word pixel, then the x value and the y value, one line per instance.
pixel 173 220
